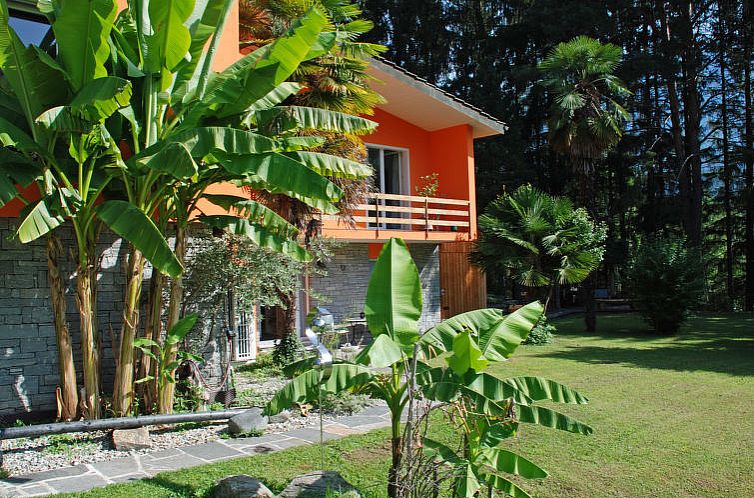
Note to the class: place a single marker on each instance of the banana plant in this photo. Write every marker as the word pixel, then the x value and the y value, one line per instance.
pixel 448 361
pixel 188 128
pixel 486 409
pixel 166 361
pixel 54 124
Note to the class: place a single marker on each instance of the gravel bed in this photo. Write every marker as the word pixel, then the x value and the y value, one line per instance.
pixel 23 456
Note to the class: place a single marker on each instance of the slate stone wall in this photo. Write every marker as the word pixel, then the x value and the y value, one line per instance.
pixel 28 354
pixel 343 290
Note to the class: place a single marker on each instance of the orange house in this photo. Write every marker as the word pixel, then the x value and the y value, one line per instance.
pixel 424 133
pixel 425 138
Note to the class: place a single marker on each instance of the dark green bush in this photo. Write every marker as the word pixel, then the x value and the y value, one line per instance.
pixel 287 350
pixel 542 333
pixel 665 281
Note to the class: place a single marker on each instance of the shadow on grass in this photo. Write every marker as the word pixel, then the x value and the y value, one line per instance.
pixel 723 344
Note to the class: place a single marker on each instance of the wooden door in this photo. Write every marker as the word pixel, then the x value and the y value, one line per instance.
pixel 462 284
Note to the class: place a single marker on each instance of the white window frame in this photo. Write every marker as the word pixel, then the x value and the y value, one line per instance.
pixel 247 331
pixel 405 177
pixel 405 166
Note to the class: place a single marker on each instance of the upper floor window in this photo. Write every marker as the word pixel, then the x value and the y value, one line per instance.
pixel 391 175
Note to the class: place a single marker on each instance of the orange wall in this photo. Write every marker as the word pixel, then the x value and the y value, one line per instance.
pixel 448 152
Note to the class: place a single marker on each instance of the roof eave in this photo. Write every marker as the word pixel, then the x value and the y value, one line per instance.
pixel 483 124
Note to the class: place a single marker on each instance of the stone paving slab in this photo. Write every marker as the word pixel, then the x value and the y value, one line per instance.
pixel 116 468
pixel 134 467
pixel 354 421
pixel 78 483
pixel 182 461
pixel 212 452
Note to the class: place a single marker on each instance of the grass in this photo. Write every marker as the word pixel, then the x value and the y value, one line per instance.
pixel 673 417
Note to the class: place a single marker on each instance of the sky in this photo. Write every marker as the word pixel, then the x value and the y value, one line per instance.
pixel 29 31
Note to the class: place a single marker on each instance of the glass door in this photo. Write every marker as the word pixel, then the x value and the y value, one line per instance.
pixel 390 177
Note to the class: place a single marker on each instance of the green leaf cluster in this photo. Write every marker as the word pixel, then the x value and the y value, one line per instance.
pixel 450 362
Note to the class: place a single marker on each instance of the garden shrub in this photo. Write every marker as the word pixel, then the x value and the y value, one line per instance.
pixel 287 350
pixel 665 282
pixel 343 403
pixel 263 367
pixel 189 397
pixel 542 333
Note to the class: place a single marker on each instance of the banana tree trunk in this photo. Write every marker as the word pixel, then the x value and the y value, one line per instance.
pixel 88 331
pixel 123 392
pixel 152 330
pixel 397 455
pixel 167 388
pixel 69 395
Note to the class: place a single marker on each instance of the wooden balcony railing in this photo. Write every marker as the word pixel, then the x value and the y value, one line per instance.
pixel 411 213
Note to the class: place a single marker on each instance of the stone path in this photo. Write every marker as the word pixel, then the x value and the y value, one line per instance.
pixel 134 467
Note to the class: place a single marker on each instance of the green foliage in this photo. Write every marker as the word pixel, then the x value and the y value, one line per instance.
pixel 67 444
pixel 256 275
pixel 665 282
pixel 539 239
pixel 263 367
pixel 288 350
pixel 342 403
pixel 394 300
pixel 450 362
pixel 161 353
pixel 585 119
pixel 428 185
pixel 189 397
pixel 542 333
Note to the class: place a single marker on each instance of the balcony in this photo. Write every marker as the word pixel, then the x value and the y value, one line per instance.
pixel 410 217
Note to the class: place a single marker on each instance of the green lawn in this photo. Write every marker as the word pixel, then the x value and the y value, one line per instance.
pixel 673 417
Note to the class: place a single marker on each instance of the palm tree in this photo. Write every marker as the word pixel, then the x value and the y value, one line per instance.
pixel 538 239
pixel 585 118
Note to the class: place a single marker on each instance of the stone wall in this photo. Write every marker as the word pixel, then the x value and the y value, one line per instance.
pixel 343 290
pixel 28 354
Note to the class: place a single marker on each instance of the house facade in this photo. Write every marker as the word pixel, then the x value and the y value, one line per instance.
pixel 424 135
pixel 425 138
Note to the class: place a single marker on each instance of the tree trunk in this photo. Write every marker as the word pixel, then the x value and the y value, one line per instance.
pixel 692 122
pixel 124 372
pixel 590 307
pixel 88 331
pixel 69 394
pixel 167 388
pixel 727 194
pixel 669 73
pixel 152 330
pixel 397 456
pixel 749 146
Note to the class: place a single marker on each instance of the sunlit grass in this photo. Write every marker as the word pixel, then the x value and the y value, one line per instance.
pixel 673 417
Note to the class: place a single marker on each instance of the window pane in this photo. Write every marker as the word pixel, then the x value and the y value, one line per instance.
pixel 373 156
pixel 393 172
